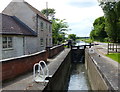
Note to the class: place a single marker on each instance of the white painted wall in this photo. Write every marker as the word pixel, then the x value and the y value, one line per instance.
pixel 17 49
pixel 31 45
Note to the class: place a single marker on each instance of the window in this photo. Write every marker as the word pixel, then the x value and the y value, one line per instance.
pixel 50 41
pixel 46 26
pixel 7 42
pixel 41 42
pixel 42 26
pixel 49 28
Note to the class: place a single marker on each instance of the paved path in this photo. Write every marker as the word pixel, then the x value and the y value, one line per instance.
pixel 108 67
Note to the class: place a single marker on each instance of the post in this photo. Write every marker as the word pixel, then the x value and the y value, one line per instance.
pixel 116 47
pixel 113 46
pixel 90 45
pixel 48 51
pixel 108 49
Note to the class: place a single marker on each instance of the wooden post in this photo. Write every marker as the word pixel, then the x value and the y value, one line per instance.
pixel 116 47
pixel 108 49
pixel 110 46
pixel 113 46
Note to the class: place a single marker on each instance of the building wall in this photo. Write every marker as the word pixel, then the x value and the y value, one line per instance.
pixel 0 47
pixel 44 33
pixel 30 45
pixel 17 49
pixel 30 18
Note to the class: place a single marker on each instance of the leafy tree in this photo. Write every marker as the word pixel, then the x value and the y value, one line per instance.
pixel 112 20
pixel 72 36
pixel 99 33
pixel 49 12
pixel 58 26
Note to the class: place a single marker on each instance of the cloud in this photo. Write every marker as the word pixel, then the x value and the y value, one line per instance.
pixel 80 14
pixel 82 4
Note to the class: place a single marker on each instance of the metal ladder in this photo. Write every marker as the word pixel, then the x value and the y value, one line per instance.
pixel 39 74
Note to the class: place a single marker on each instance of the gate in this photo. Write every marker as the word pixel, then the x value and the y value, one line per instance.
pixel 77 54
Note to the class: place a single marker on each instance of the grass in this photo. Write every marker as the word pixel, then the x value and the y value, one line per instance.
pixel 114 56
pixel 86 40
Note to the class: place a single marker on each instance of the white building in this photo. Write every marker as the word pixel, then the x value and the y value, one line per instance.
pixel 31 19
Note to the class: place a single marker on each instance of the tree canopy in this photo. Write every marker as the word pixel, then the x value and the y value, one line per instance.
pixel 112 20
pixel 58 26
pixel 72 36
pixel 98 32
pixel 50 12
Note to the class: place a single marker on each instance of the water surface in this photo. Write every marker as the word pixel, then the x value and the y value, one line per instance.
pixel 78 78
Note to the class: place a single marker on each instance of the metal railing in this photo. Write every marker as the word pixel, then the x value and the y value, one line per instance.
pixel 39 74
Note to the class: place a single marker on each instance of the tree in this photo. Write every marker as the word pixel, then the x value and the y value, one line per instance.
pixel 99 33
pixel 49 12
pixel 58 26
pixel 112 20
pixel 72 36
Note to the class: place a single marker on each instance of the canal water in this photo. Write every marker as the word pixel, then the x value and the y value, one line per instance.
pixel 78 78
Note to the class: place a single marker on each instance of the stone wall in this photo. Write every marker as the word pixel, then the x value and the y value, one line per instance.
pixel 14 67
pixel 60 78
pixel 95 77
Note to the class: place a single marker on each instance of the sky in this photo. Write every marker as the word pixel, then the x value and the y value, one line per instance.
pixel 79 14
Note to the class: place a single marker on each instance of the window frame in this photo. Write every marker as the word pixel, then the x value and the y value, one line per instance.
pixel 42 25
pixel 50 28
pixel 41 42
pixel 8 42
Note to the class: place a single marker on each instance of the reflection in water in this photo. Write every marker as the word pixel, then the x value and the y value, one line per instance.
pixel 78 78
pixel 78 43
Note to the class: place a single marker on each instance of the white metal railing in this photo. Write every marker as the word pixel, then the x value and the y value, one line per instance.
pixel 39 74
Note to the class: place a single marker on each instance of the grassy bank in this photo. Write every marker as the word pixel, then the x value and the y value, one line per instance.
pixel 114 56
pixel 86 40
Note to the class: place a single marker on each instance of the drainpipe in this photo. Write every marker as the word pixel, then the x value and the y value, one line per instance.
pixel 37 23
pixel 23 45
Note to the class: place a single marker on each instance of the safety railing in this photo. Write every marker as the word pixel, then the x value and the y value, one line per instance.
pixel 39 74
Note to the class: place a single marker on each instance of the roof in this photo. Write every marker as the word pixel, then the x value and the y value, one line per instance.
pixel 11 25
pixel 37 12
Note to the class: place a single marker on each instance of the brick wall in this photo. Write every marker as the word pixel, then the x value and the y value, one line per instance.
pixel 14 67
pixel 55 50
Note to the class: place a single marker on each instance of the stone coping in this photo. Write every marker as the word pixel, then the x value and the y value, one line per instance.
pixel 107 69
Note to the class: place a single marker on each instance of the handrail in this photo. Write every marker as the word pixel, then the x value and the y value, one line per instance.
pixel 47 73
pixel 37 77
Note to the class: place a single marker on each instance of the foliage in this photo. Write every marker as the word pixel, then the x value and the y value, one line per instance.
pixel 112 20
pixel 58 26
pixel 72 36
pixel 49 12
pixel 86 40
pixel 99 33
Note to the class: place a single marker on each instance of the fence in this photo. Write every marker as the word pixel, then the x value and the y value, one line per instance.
pixel 113 48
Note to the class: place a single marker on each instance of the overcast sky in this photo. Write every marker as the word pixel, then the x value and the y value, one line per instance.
pixel 80 14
